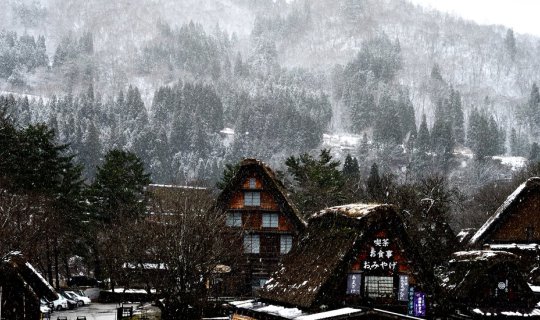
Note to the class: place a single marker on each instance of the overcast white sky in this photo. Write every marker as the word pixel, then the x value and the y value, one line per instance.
pixel 521 15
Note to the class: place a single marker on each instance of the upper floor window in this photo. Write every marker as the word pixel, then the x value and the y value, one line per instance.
pixel 234 219
pixel 285 243
pixel 252 243
pixel 252 183
pixel 270 220
pixel 252 199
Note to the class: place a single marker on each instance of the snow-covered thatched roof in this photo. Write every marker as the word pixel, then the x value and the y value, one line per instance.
pixel 503 212
pixel 17 266
pixel 470 278
pixel 319 262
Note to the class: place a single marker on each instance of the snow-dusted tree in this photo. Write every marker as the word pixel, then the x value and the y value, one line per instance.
pixel 318 183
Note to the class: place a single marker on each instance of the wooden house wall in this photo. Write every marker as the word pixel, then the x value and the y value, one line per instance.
pixel 262 264
pixel 525 214
pixel 267 201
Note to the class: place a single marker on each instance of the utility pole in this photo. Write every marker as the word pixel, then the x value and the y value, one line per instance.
pixel 0 302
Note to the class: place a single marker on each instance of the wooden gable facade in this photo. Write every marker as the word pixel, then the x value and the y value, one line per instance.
pixel 517 220
pixel 257 206
pixel 353 255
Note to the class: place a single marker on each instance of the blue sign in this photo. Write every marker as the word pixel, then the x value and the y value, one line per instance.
pixel 419 304
pixel 410 304
pixel 354 281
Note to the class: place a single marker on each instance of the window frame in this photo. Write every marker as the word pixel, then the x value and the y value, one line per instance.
pixel 252 183
pixel 249 199
pixel 287 245
pixel 270 220
pixel 379 286
pixel 234 219
pixel 249 243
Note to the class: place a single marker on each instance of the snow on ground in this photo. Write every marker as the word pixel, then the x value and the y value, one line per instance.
pixel 516 163
pixel 342 141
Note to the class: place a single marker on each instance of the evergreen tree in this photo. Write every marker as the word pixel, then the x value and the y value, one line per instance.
pixel 534 155
pixel 351 174
pixel 374 186
pixel 117 191
pixel 533 111
pixel 510 43
pixel 458 119
pixel 318 183
pixel 423 141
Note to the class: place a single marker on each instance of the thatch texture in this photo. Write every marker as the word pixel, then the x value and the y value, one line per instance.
pixel 315 269
pixel 471 279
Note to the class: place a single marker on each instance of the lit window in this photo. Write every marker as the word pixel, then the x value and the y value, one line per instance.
pixel 251 243
pixel 252 183
pixel 270 220
pixel 379 287
pixel 285 243
pixel 234 219
pixel 252 199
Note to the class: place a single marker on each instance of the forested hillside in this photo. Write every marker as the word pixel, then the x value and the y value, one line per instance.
pixel 189 88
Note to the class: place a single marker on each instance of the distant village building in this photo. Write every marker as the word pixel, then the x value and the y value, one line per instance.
pixel 351 256
pixel 479 284
pixel 256 204
pixel 21 288
pixel 515 226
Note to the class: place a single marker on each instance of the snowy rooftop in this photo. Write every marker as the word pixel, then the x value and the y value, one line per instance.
pixel 172 186
pixel 515 163
pixel 45 282
pixel 510 313
pixel 291 312
pixel 355 210
pixel 480 255
pixel 515 246
pixel 501 210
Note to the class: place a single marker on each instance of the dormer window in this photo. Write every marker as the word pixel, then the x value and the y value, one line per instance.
pixel 252 183
pixel 252 199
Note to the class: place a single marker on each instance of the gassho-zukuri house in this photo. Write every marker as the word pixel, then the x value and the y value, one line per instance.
pixel 515 227
pixel 355 256
pixel 257 206
pixel 486 284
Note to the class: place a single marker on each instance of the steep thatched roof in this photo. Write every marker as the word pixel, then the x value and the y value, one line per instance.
pixel 530 186
pixel 468 273
pixel 17 266
pixel 327 250
pixel 272 184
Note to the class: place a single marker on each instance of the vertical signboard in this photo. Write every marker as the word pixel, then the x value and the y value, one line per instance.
pixel 403 292
pixel 410 305
pixel 419 304
pixel 353 283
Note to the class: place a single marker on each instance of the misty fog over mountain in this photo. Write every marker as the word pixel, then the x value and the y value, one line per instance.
pixel 191 85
